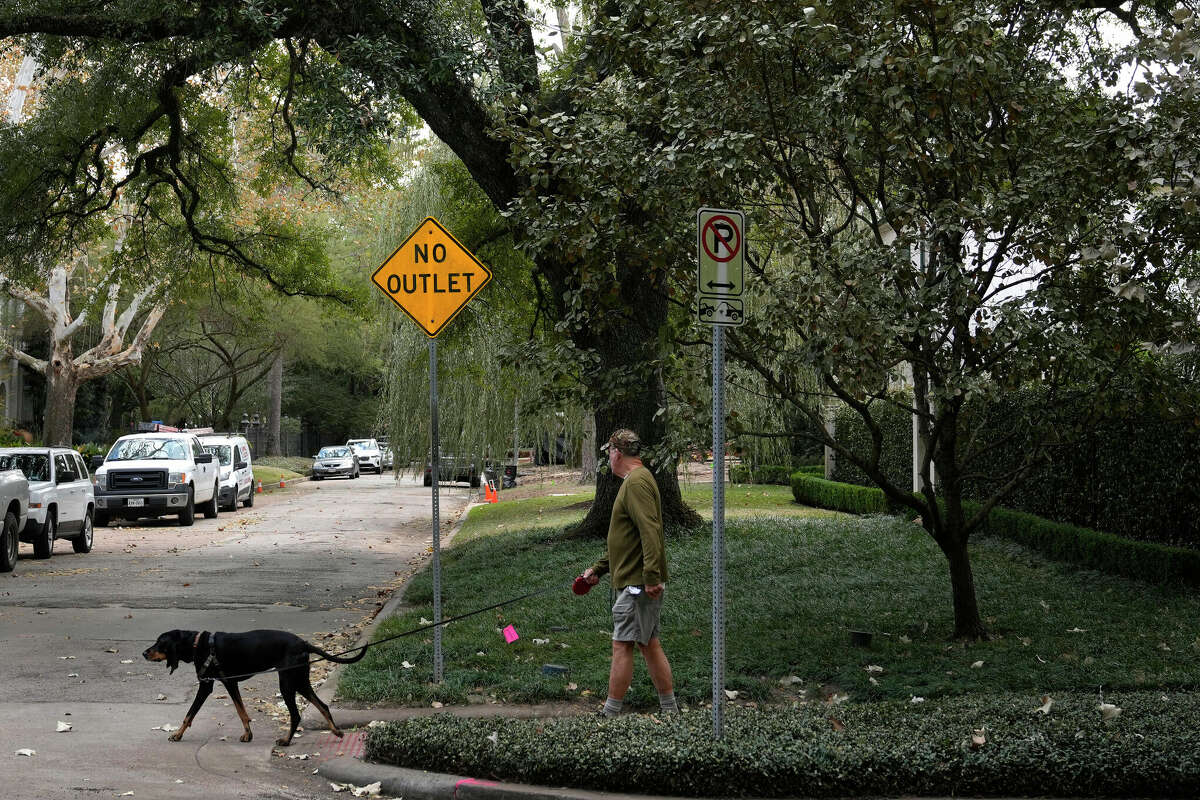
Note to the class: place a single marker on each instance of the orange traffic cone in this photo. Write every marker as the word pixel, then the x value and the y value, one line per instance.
pixel 493 495
pixel 258 489
pixel 282 484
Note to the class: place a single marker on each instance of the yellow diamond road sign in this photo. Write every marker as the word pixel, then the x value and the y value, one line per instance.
pixel 431 276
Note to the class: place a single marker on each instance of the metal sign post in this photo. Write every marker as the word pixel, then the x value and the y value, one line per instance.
pixel 720 256
pixel 434 463
pixel 718 561
pixel 431 277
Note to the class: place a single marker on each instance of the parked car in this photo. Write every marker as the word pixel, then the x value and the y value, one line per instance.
pixel 368 454
pixel 452 469
pixel 14 497
pixel 153 475
pixel 335 461
pixel 385 451
pixel 237 476
pixel 61 502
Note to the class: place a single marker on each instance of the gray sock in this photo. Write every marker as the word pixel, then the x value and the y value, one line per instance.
pixel 667 703
pixel 612 707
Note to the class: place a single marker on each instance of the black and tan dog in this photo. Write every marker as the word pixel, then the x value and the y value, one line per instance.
pixel 233 657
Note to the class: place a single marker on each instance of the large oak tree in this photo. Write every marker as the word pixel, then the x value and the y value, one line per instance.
pixel 334 78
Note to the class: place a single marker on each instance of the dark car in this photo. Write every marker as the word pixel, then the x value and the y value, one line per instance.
pixel 452 469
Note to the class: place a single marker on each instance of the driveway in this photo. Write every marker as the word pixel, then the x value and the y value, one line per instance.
pixel 317 559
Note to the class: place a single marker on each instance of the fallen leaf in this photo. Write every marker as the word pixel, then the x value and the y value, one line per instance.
pixel 978 738
pixel 1047 702
pixel 837 724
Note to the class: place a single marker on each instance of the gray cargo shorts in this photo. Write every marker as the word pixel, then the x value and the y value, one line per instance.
pixel 635 616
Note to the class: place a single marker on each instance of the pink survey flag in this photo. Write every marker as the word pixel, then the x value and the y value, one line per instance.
pixel 510 634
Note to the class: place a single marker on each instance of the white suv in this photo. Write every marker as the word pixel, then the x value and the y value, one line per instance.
pixel 61 503
pixel 237 476
pixel 368 454
pixel 153 475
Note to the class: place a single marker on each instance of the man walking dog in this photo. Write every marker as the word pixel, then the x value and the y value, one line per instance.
pixel 636 556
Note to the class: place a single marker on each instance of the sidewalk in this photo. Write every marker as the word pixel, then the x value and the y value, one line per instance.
pixel 349 767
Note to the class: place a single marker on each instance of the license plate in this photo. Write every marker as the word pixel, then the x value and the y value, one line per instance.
pixel 135 502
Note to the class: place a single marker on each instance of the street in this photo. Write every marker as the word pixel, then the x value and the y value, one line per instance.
pixel 317 559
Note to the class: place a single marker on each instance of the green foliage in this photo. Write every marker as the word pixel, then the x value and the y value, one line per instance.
pixel 873 749
pixel 767 474
pixel 10 438
pixel 1124 473
pixel 89 449
pixel 893 417
pixel 814 491
pixel 1088 548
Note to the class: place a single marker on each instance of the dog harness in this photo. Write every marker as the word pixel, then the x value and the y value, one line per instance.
pixel 211 670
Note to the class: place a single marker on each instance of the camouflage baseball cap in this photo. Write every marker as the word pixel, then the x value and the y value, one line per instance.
pixel 624 440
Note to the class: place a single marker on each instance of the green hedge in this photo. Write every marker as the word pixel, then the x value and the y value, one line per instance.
pixel 1106 552
pixel 810 490
pixel 867 749
pixel 1132 475
pixel 773 474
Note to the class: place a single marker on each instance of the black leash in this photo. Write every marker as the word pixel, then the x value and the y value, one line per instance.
pixel 502 603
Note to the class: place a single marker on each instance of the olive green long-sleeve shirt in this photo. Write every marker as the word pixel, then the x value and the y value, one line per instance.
pixel 635 553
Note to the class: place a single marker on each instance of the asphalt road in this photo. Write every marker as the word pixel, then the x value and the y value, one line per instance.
pixel 317 559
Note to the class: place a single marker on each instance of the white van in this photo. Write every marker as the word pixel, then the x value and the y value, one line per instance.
pixel 237 477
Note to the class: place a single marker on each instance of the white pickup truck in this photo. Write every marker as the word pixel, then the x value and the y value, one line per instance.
pixel 154 475
pixel 14 500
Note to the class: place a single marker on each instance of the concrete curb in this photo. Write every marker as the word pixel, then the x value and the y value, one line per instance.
pixel 412 784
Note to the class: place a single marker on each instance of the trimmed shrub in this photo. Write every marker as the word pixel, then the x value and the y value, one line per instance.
pixel 812 491
pixel 869 749
pixel 773 474
pixel 1131 475
pixel 895 420
pixel 1106 552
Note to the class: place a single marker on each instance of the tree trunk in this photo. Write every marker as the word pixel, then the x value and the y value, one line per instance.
pixel 630 390
pixel 591 448
pixel 59 420
pixel 967 623
pixel 951 536
pixel 274 405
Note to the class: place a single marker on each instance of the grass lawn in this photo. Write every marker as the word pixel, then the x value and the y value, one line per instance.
pixel 271 475
pixel 798 581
